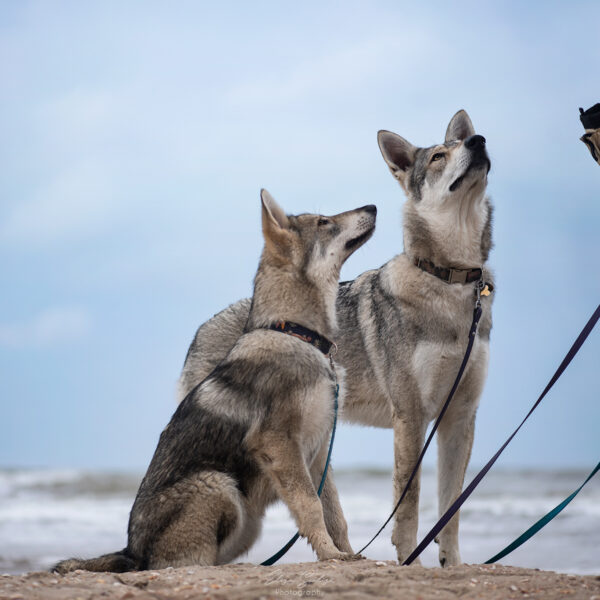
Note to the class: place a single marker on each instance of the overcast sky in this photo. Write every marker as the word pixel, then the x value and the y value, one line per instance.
pixel 136 137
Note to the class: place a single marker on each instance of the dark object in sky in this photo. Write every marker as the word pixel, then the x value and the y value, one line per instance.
pixel 590 120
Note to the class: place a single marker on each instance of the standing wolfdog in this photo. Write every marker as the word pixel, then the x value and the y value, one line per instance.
pixel 403 328
pixel 256 428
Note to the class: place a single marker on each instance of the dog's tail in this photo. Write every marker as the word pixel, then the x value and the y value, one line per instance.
pixel 117 562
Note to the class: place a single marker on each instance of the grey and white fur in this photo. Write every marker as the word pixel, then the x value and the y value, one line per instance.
pixel 402 331
pixel 255 429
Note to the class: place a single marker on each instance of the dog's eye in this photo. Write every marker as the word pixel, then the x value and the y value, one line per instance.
pixel 437 156
pixel 323 221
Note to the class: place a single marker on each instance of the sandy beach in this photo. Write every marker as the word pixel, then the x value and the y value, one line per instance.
pixel 333 579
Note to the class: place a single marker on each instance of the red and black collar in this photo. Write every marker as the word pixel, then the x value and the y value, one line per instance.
pixel 448 274
pixel 306 335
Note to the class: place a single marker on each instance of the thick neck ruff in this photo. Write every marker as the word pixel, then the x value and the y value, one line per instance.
pixel 309 336
pixel 448 274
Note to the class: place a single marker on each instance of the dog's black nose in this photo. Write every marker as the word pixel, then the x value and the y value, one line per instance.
pixel 475 142
pixel 370 208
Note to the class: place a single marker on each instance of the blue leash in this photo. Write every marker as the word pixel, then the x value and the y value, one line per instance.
pixel 273 559
pixel 541 523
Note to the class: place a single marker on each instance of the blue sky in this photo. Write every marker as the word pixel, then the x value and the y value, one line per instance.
pixel 136 137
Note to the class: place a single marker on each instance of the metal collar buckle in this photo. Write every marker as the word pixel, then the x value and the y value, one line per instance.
pixel 458 275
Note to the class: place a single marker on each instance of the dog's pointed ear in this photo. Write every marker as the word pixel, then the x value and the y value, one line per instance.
pixel 275 224
pixel 398 153
pixel 460 127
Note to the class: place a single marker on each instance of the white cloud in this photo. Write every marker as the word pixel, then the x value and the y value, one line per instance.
pixel 50 327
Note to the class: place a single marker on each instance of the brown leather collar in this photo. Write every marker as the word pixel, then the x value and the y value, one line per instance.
pixel 448 274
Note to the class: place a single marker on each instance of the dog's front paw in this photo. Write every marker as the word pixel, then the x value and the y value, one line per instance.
pixel 449 558
pixel 338 556
pixel 351 556
pixel 355 556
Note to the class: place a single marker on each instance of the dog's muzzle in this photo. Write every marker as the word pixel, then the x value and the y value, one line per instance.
pixel 479 158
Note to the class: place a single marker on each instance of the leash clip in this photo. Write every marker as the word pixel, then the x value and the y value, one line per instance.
pixel 332 352
pixel 478 289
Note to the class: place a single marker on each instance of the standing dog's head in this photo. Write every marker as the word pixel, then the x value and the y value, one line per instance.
pixel 314 246
pixel 445 188
pixel 445 172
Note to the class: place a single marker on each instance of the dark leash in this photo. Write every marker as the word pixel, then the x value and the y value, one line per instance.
pixel 585 332
pixel 591 122
pixel 329 349
pixel 481 286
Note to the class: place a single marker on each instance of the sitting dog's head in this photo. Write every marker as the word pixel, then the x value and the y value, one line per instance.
pixel 314 246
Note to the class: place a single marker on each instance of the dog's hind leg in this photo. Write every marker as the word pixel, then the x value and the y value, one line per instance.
pixel 243 536
pixel 208 512
pixel 281 458
pixel 332 509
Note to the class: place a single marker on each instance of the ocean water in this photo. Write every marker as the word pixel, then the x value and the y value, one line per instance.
pixel 47 515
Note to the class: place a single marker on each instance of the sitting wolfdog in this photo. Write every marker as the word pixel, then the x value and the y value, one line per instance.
pixel 404 327
pixel 256 429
